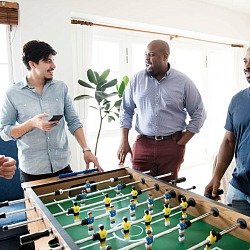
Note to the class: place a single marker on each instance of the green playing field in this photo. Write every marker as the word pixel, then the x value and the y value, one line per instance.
pixel 196 233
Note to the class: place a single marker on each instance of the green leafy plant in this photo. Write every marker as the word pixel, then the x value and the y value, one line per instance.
pixel 99 85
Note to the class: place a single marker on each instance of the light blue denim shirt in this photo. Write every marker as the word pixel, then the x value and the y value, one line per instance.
pixel 40 152
pixel 161 107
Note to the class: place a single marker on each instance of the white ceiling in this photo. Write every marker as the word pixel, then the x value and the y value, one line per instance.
pixel 237 5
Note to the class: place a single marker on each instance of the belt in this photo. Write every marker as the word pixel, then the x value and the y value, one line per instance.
pixel 161 137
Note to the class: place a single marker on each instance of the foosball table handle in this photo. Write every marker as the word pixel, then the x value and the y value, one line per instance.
pixel 28 238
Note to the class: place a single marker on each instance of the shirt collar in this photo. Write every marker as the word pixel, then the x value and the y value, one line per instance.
pixel 25 84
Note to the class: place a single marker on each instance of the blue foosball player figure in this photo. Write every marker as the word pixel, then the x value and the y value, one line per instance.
pixel 150 201
pixel 132 207
pixel 149 240
pixel 112 215
pixel 90 222
pixel 183 224
pixel 82 197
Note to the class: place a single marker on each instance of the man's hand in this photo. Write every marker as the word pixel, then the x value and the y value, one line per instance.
pixel 39 121
pixel 89 157
pixel 7 167
pixel 122 151
pixel 212 187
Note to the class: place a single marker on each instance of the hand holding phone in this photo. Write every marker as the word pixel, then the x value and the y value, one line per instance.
pixel 55 118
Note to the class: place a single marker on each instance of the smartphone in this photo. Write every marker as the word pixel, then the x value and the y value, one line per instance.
pixel 55 118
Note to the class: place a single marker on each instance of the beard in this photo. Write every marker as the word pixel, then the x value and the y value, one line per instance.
pixel 247 74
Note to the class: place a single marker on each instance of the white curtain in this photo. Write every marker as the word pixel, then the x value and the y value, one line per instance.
pixel 82 40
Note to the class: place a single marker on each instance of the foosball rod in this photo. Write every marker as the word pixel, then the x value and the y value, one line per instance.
pixel 120 227
pixel 240 223
pixel 214 211
pixel 94 193
pixel 22 223
pixel 97 203
pixel 119 210
pixel 113 179
pixel 4 215
pixel 105 190
pixel 8 203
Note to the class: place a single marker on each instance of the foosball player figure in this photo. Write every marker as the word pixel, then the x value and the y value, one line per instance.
pixel 112 215
pixel 107 202
pixel 109 248
pixel 213 237
pixel 149 240
pixel 76 211
pixel 101 236
pixel 82 197
pixel 134 194
pixel 150 201
pixel 183 224
pixel 147 219
pixel 166 196
pixel 87 186
pixel 167 212
pixel 118 188
pixel 90 222
pixel 126 227
pixel 132 207
pixel 184 205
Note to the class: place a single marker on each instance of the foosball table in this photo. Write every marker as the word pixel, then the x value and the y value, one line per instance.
pixel 58 213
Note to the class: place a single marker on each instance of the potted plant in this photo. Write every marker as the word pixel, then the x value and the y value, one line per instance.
pixel 106 106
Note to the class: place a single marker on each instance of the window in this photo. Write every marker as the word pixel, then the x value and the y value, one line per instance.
pixel 213 69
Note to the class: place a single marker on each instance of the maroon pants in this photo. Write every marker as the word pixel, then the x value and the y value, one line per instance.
pixel 160 157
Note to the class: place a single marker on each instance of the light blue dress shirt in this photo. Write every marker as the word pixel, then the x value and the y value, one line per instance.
pixel 40 152
pixel 161 107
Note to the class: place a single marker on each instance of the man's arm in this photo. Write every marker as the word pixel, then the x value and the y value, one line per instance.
pixel 7 167
pixel 88 156
pixel 124 147
pixel 224 158
pixel 36 122
pixel 185 138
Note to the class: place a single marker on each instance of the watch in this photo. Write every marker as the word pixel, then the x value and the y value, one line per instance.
pixel 86 149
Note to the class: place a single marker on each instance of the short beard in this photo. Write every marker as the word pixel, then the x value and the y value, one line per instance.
pixel 150 73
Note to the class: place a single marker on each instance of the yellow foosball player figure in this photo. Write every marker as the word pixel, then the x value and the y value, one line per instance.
pixel 167 212
pixel 184 205
pixel 107 202
pixel 213 237
pixel 147 219
pixel 101 236
pixel 75 210
pixel 126 227
pixel 134 194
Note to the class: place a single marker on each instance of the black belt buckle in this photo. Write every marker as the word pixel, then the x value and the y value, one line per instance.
pixel 159 138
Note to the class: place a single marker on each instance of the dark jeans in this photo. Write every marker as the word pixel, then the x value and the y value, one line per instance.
pixel 29 177
pixel 160 157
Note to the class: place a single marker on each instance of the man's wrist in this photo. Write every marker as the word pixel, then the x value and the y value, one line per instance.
pixel 86 149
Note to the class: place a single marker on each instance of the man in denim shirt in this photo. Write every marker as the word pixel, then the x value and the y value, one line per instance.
pixel 43 147
pixel 236 143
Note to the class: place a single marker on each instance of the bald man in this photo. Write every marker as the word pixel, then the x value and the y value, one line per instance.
pixel 161 99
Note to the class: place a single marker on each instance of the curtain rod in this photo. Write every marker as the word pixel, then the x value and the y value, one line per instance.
pixel 172 36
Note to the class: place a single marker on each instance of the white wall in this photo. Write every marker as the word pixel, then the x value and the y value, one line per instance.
pixel 49 20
